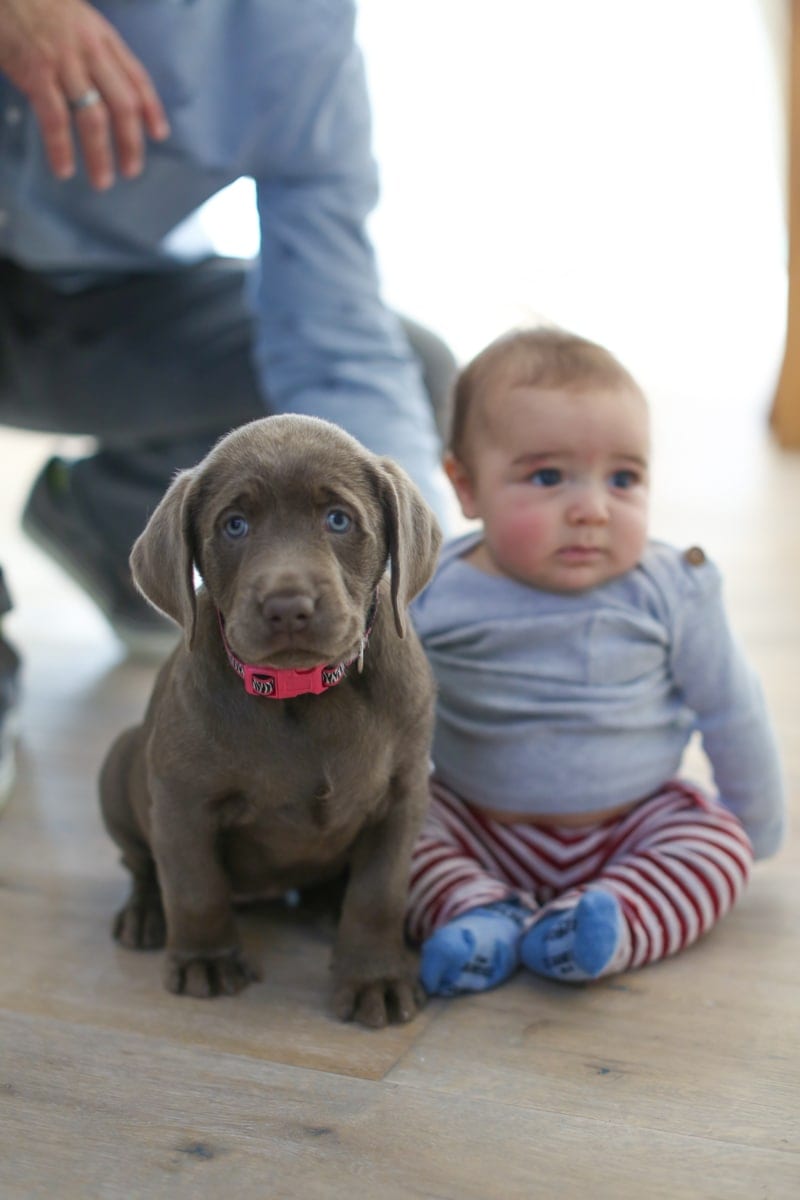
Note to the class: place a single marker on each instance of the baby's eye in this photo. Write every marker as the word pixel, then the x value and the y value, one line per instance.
pixel 236 526
pixel 547 477
pixel 625 479
pixel 337 520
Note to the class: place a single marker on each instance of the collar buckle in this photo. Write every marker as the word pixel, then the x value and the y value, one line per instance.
pixel 284 684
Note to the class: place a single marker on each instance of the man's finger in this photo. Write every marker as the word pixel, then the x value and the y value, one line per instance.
pixel 124 111
pixel 89 115
pixel 151 108
pixel 94 132
pixel 53 116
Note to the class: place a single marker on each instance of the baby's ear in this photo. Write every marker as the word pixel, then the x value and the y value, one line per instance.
pixel 461 478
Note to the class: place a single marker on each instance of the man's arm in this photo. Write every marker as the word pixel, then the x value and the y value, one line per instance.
pixel 327 345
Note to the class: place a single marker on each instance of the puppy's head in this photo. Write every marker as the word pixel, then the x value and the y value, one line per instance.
pixel 290 522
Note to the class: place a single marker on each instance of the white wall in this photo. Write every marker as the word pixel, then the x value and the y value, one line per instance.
pixel 613 166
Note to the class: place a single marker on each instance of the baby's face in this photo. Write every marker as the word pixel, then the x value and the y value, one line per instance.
pixel 560 481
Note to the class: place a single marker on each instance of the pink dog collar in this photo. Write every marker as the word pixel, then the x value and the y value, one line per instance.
pixel 276 683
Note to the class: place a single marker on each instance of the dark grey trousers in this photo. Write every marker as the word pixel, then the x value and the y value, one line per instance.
pixel 155 366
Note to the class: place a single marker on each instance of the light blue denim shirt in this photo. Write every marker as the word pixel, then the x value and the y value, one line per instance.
pixel 273 90
pixel 564 704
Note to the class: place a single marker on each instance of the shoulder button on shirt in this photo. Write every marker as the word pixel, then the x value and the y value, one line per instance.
pixel 694 556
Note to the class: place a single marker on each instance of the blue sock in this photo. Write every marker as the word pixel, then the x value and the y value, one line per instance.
pixel 475 951
pixel 578 943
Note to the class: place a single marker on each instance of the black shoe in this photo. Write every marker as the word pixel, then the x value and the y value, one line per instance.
pixel 53 520
pixel 9 703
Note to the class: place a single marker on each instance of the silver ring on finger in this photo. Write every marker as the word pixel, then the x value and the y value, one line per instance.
pixel 85 100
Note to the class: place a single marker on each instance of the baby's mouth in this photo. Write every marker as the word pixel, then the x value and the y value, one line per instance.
pixel 579 553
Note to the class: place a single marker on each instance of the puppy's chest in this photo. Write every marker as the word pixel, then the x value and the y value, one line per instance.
pixel 313 775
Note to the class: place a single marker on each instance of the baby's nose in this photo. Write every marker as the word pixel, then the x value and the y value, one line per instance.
pixel 589 504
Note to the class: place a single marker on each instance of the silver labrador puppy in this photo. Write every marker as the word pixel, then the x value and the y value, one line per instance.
pixel 287 738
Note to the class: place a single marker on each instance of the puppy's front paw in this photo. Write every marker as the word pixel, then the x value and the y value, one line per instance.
pixel 394 998
pixel 141 925
pixel 222 974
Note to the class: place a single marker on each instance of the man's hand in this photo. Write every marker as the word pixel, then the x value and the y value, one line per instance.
pixel 56 51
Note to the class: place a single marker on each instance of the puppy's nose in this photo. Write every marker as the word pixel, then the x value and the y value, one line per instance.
pixel 288 614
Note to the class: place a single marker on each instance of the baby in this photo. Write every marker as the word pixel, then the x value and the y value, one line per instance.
pixel 575 657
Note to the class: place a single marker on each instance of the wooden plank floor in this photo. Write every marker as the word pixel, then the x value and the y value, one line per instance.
pixel 680 1080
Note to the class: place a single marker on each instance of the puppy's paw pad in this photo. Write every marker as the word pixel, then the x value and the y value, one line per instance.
pixel 407 1000
pixel 379 1003
pixel 140 925
pixel 207 976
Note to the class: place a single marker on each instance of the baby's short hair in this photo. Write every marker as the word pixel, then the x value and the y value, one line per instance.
pixel 545 357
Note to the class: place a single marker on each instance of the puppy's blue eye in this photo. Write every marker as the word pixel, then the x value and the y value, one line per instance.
pixel 337 521
pixel 236 526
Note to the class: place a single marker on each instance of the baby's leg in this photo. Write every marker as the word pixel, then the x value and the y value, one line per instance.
pixel 465 901
pixel 677 864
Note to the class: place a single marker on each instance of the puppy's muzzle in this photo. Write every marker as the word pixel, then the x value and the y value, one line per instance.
pixel 287 614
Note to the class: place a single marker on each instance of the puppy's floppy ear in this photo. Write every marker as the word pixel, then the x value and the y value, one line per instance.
pixel 413 534
pixel 162 559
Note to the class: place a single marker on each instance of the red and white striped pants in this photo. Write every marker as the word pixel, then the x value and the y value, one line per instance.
pixel 677 863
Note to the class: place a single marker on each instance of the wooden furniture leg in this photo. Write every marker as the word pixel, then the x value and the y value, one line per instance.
pixel 785 414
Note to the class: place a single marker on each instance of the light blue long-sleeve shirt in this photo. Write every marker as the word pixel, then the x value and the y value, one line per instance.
pixel 564 704
pixel 273 90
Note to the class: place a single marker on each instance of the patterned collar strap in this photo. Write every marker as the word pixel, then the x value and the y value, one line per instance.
pixel 274 683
